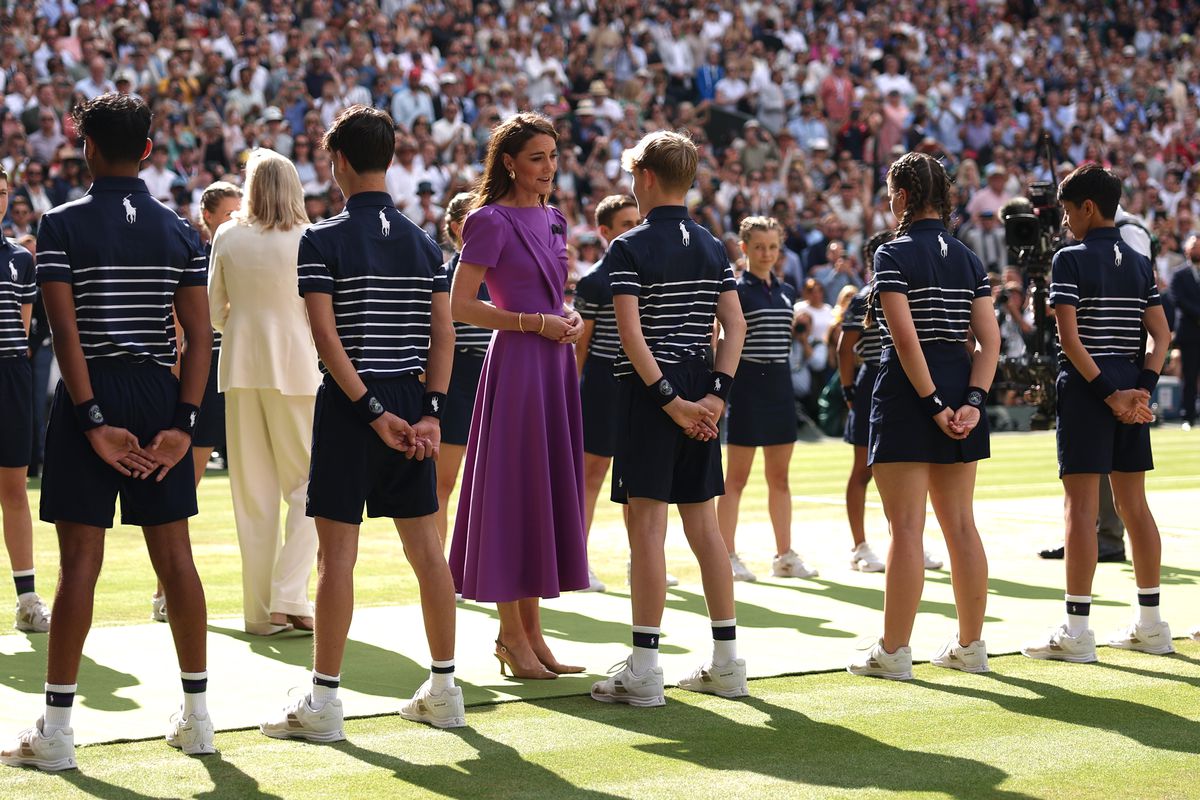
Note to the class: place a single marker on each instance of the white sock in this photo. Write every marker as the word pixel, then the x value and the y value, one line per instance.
pixel 195 693
pixel 645 648
pixel 1079 609
pixel 441 675
pixel 58 717
pixel 724 649
pixel 322 692
pixel 1148 613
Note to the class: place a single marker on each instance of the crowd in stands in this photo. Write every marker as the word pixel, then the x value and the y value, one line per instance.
pixel 798 107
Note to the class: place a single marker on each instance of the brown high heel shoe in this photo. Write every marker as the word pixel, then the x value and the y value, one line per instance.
pixel 561 669
pixel 505 658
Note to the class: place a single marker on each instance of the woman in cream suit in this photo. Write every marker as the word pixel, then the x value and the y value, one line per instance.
pixel 269 375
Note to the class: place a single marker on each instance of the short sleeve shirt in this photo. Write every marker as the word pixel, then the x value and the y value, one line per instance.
pixel 594 302
pixel 18 287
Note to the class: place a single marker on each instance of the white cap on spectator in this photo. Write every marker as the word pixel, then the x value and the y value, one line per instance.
pixel 272 114
pixel 820 144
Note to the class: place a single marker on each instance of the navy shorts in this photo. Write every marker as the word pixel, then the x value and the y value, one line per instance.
pixel 858 421
pixel 351 465
pixel 210 424
pixel 900 428
pixel 654 459
pixel 599 391
pixel 460 397
pixel 762 406
pixel 16 397
pixel 1090 438
pixel 78 487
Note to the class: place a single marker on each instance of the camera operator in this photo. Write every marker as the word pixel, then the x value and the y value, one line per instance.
pixel 1015 320
pixel 809 359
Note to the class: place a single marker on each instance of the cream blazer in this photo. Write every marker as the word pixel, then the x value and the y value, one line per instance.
pixel 254 303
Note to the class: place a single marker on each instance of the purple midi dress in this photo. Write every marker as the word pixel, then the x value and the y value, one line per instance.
pixel 519 528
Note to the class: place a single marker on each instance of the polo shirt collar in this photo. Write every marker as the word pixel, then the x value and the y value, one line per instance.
pixel 369 199
pixel 667 213
pixel 112 184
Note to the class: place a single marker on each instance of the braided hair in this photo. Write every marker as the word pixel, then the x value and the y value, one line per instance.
pixel 928 187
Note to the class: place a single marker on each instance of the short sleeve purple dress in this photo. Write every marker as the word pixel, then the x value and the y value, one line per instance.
pixel 519 528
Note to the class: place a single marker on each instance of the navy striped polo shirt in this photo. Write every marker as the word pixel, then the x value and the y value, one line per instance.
pixel 382 271
pixel 869 345
pixel 125 254
pixel 1111 285
pixel 767 307
pixel 594 301
pixel 469 337
pixel 938 274
pixel 18 287
pixel 677 269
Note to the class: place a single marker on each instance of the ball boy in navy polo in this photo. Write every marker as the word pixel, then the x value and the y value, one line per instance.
pixel 18 290
pixel 670 280
pixel 111 266
pixel 595 353
pixel 378 303
pixel 1104 293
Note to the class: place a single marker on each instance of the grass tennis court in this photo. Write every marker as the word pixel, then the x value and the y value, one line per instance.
pixel 1130 725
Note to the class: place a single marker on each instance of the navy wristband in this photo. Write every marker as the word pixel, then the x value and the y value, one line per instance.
pixel 719 384
pixel 433 404
pixel 1148 380
pixel 1101 386
pixel 662 391
pixel 976 397
pixel 933 404
pixel 185 418
pixel 89 415
pixel 368 408
pixel 848 393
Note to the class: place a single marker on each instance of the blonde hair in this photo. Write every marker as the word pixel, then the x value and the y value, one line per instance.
pixel 274 197
pixel 456 212
pixel 671 156
pixel 751 225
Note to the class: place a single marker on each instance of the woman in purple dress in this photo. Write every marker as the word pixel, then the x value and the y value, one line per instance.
pixel 518 534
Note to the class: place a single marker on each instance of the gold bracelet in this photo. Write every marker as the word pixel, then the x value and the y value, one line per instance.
pixel 543 318
pixel 520 326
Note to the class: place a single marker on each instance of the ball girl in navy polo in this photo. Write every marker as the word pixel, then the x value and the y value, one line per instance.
pixel 470 346
pixel 928 428
pixel 762 407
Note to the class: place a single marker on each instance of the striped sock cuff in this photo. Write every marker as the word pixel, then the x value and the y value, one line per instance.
pixel 61 695
pixel 1079 605
pixel 724 630
pixel 24 580
pixel 1149 597
pixel 646 637
pixel 194 682
pixel 328 681
pixel 442 667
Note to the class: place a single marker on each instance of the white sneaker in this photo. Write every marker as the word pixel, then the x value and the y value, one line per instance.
pixel 442 710
pixel 32 614
pixel 972 658
pixel 724 681
pixel 740 573
pixel 594 583
pixel 671 579
pixel 864 559
pixel 879 663
pixel 301 721
pixel 1060 645
pixel 192 734
pixel 32 749
pixel 622 686
pixel 790 565
pixel 931 562
pixel 1153 639
pixel 1187 426
pixel 158 608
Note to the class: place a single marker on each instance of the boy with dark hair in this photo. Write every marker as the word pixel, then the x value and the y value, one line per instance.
pixel 378 303
pixel 670 279
pixel 18 290
pixel 111 266
pixel 1103 293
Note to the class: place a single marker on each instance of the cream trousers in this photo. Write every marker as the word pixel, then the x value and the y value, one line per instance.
pixel 269 435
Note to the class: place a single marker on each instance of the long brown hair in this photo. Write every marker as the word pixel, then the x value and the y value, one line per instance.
pixel 928 186
pixel 508 138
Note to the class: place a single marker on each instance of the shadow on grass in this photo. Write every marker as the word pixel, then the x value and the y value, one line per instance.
pixel 868 597
pixel 794 748
pixel 1190 680
pixel 571 626
pixel 1171 576
pixel 498 772
pixel 98 684
pixel 229 781
pixel 94 787
pixel 1024 591
pixel 753 616
pixel 1149 726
